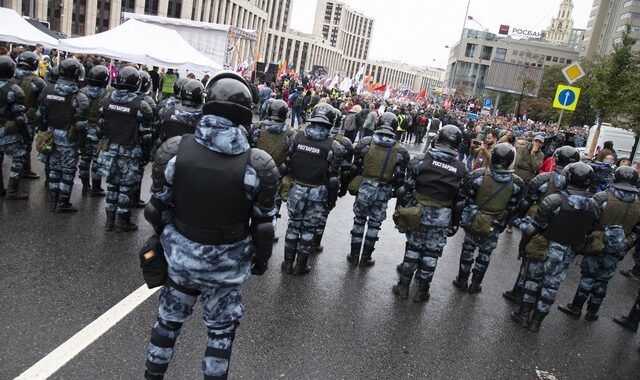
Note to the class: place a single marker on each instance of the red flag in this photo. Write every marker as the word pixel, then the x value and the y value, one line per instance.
pixel 423 93
pixel 381 88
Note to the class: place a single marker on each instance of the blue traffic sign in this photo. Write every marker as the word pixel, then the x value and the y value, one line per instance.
pixel 488 102
pixel 566 97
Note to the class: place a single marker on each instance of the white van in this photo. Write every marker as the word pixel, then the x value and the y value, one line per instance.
pixel 623 139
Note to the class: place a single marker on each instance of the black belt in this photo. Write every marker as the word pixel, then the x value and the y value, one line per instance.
pixel 228 234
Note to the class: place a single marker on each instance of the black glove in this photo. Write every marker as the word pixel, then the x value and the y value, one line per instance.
pixel 452 231
pixel 527 235
pixel 259 267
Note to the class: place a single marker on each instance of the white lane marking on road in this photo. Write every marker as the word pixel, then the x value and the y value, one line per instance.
pixel 544 375
pixel 57 358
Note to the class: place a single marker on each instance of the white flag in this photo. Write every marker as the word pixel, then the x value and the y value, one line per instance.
pixel 345 85
pixel 387 93
pixel 334 82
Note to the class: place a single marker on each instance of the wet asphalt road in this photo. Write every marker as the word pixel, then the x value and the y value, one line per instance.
pixel 60 272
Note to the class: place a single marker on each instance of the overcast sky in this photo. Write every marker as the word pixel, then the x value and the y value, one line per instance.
pixel 416 31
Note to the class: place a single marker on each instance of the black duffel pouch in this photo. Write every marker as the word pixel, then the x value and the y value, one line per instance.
pixel 153 263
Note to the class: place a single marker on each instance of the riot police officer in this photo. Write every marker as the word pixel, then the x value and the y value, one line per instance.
pixel 214 213
pixel 618 227
pixel 540 187
pixel 125 118
pixel 382 161
pixel 63 111
pixel 168 103
pixel 274 136
pixel 182 118
pixel 13 128
pixel 564 219
pixel 435 182
pixel 97 82
pixel 492 197
pixel 631 321
pixel 32 85
pixel 313 163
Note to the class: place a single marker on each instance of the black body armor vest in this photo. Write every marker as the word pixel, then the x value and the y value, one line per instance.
pixel 570 226
pixel 309 161
pixel 59 108
pixel 439 180
pixel 172 126
pixel 121 121
pixel 210 204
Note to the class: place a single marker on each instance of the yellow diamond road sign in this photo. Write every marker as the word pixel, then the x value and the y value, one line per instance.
pixel 566 97
pixel 573 72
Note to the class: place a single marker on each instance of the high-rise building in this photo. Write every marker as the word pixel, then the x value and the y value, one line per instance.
pixel 607 21
pixel 576 37
pixel 344 28
pixel 559 31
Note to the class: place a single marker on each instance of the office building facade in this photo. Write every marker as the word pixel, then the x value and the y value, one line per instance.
pixel 607 21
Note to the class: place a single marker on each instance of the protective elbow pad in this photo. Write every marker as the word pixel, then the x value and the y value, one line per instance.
pixel 262 234
pixel 153 213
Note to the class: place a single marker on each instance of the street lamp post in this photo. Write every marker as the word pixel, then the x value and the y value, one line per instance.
pixel 464 24
pixel 475 82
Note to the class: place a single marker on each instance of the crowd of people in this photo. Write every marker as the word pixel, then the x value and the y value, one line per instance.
pixel 219 181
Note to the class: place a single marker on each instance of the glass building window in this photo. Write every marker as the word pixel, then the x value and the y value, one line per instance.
pixel 470 51
pixel 501 54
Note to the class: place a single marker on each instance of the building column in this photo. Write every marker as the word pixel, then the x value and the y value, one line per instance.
pixel 90 17
pixel 41 9
pixel 207 11
pixel 114 18
pixel 66 17
pixel 16 5
pixel 187 8
pixel 138 7
pixel 198 6
pixel 163 8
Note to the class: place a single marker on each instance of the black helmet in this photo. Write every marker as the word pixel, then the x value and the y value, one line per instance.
pixel 625 178
pixel 278 110
pixel 98 76
pixel 192 93
pixel 323 114
pixel 502 157
pixel 51 76
pixel 7 67
pixel 70 70
pixel 389 119
pixel 28 60
pixel 145 82
pixel 578 175
pixel 177 86
pixel 385 130
pixel 128 78
pixel 336 120
pixel 565 155
pixel 449 139
pixel 229 96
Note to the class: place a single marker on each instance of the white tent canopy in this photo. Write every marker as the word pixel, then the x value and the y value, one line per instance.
pixel 14 28
pixel 142 43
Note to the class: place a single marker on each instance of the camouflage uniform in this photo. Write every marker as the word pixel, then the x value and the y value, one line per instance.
pixel 63 160
pixel 215 273
pixel 370 206
pixel 307 203
pixel 544 277
pixel 89 152
pixel 424 247
pixel 11 140
pixel 598 270
pixel 485 245
pixel 120 164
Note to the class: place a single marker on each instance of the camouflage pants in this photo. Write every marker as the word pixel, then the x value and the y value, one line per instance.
pixel 62 170
pixel 370 210
pixel 307 211
pixel 596 273
pixel 18 155
pixel 485 247
pixel 544 277
pixel 222 309
pixel 423 249
pixel 118 198
pixel 88 165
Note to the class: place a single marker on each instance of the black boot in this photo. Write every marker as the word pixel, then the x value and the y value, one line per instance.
pixel 111 218
pixel 86 187
pixel 27 173
pixel 627 323
pixel 354 256
pixel 402 288
pixel 3 191
pixel 367 250
pixel 301 267
pixel 136 202
pixel 317 240
pixel 151 376
pixel 64 206
pixel 96 189
pixel 422 294
pixel 536 320
pixel 289 257
pixel 53 199
pixel 123 223
pixel 475 286
pixel 571 310
pixel 13 193
pixel 461 281
pixel 521 317
pixel 592 312
pixel 399 267
pixel 513 296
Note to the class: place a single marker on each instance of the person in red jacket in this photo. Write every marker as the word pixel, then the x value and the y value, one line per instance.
pixel 547 166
